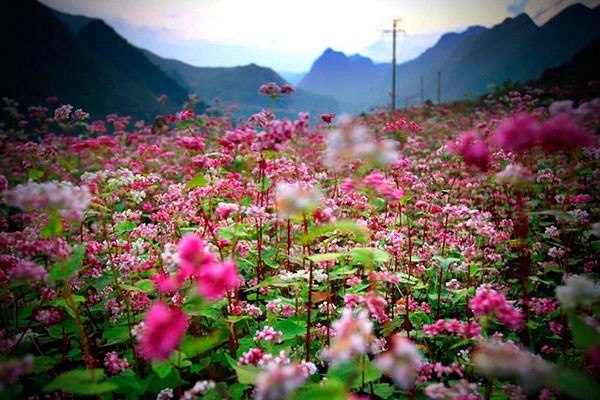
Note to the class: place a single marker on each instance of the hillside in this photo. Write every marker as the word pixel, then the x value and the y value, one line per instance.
pixel 80 60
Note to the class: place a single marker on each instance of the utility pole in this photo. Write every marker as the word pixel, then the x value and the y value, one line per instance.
pixel 394 30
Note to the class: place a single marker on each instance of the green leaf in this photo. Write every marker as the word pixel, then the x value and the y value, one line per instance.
pixel 127 382
pixel 61 302
pixel 289 328
pixel 80 382
pixel 65 164
pixel 351 371
pixel 197 181
pixel 446 261
pixel 360 233
pixel 65 269
pixel 369 255
pixel 162 369
pixel 331 389
pixel 54 227
pixel 35 174
pixel 246 374
pixel 575 384
pixel 232 232
pixel 405 199
pixel 124 226
pixel 265 184
pixel 383 390
pixel 325 257
pixel 236 391
pixel 195 346
pixel 584 335
pixel 145 285
pixel 117 334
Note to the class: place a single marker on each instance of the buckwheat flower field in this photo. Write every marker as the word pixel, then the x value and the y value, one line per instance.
pixel 441 252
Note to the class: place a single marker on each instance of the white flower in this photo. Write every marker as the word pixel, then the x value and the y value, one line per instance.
pixel 578 291
pixel 296 199
pixel 498 359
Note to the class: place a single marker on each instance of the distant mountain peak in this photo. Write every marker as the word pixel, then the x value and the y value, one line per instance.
pixel 75 23
pixel 520 20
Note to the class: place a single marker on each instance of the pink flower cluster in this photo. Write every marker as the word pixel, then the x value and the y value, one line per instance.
pixel 268 334
pixel 402 361
pixel 278 381
pixel 181 116
pixel 327 118
pixel 402 125
pixel 163 329
pixel 488 301
pixel 525 132
pixel 257 357
pixel 383 186
pixel 194 143
pixel 375 304
pixel 114 363
pixel 273 89
pixel 467 330
pixel 196 262
pixel 539 305
pixel 353 336
pixel 473 150
pixel 428 369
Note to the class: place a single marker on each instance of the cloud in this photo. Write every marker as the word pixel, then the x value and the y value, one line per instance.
pixel 518 7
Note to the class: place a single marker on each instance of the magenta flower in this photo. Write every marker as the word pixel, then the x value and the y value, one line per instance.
pixel 163 330
pixel 193 254
pixel 474 151
pixel 327 118
pixel 216 278
pixel 269 89
pixel 286 89
pixel 518 134
pixel 488 301
pixel 562 133
pixel 166 283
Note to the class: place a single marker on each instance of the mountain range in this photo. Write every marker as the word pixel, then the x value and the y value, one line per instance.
pixel 468 62
pixel 84 62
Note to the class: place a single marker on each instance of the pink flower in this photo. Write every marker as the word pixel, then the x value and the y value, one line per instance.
pixel 286 89
pixel 474 151
pixel 402 362
pixel 166 283
pixel 518 134
pixel 215 279
pixel 562 133
pixel 489 301
pixel 193 253
pixel 269 89
pixel 114 363
pixel 163 330
pixel 327 118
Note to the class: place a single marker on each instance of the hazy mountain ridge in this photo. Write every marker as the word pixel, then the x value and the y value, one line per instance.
pixel 239 86
pixel 86 63
pixel 64 56
pixel 470 61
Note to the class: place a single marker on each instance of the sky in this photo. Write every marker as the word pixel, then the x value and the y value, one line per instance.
pixel 288 35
